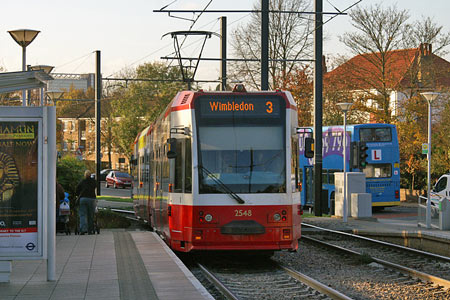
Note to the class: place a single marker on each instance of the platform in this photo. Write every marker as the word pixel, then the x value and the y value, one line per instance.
pixel 397 224
pixel 116 264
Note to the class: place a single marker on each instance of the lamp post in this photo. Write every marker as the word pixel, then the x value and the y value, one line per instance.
pixel 24 37
pixel 47 70
pixel 345 107
pixel 54 96
pixel 430 97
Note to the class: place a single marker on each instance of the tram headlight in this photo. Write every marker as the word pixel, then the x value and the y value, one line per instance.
pixel 277 217
pixel 208 218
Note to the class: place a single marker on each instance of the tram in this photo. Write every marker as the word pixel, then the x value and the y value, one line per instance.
pixel 219 171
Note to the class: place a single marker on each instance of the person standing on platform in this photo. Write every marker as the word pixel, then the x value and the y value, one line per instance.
pixel 59 196
pixel 86 193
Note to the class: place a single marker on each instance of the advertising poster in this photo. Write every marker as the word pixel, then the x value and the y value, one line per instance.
pixel 19 187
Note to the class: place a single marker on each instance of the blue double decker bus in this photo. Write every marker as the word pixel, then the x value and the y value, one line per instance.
pixel 383 162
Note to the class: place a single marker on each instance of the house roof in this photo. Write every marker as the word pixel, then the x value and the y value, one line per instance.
pixel 402 68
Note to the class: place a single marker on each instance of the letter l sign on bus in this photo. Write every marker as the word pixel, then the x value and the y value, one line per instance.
pixel 376 154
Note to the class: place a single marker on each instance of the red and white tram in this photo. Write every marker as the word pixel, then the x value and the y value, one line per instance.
pixel 218 171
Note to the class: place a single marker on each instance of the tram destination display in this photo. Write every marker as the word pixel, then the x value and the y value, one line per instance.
pixel 239 106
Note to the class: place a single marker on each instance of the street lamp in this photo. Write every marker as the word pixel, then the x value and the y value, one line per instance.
pixel 24 37
pixel 54 96
pixel 47 69
pixel 345 107
pixel 430 97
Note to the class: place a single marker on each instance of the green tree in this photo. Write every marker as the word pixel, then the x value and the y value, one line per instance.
pixel 69 172
pixel 139 103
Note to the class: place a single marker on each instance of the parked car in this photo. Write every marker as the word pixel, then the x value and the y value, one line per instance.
pixel 118 179
pixel 103 174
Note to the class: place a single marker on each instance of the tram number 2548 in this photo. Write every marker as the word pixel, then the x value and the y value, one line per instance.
pixel 242 213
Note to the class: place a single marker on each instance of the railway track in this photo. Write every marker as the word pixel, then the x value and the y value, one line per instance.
pixel 428 267
pixel 263 279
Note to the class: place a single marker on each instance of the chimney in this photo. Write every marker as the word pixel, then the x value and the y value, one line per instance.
pixel 425 49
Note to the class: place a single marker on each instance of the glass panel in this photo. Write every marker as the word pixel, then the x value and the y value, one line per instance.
pixel 324 176
pixel 441 185
pixel 179 167
pixel 239 158
pixel 188 167
pixel 375 134
pixel 378 170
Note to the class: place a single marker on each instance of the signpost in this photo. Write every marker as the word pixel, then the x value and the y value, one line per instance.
pixel 424 148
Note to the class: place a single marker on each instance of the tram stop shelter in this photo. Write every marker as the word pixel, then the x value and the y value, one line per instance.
pixel 16 81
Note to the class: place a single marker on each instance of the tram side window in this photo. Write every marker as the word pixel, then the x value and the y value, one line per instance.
pixel 165 171
pixel 179 167
pixel 187 166
pixel 294 164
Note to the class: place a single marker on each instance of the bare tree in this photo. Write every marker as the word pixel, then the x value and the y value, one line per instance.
pixel 426 31
pixel 379 32
pixel 290 37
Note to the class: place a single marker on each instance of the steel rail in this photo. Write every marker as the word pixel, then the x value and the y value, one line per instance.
pixel 405 270
pixel 217 283
pixel 332 293
pixel 415 251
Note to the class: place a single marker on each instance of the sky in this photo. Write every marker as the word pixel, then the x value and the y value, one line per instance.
pixel 129 33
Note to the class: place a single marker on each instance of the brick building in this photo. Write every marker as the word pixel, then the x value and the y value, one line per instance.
pixel 401 74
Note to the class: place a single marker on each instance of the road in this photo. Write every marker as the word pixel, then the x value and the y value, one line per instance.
pixel 114 192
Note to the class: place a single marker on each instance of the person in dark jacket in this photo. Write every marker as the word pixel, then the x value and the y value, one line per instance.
pixel 86 193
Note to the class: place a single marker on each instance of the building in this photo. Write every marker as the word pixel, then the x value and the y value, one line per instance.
pixel 63 82
pixel 76 136
pixel 395 75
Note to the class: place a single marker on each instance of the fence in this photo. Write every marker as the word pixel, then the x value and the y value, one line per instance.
pixel 422 213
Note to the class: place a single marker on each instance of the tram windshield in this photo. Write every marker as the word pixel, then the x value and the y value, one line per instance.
pixel 245 152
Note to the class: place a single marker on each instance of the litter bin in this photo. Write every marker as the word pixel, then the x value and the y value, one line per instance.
pixel 444 214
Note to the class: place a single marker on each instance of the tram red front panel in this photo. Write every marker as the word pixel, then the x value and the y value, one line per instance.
pixel 234 227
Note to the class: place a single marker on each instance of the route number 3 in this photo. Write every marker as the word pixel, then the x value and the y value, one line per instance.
pixel 269 108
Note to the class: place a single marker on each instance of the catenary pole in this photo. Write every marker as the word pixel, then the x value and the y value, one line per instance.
pixel 264 45
pixel 318 87
pixel 98 96
pixel 223 53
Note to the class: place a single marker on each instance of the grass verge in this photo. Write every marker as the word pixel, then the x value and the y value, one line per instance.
pixel 117 199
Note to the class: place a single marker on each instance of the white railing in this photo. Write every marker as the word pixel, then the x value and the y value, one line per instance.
pixel 422 213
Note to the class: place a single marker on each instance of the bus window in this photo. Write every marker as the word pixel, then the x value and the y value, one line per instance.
pixel 375 134
pixel 325 176
pixel 331 175
pixel 378 170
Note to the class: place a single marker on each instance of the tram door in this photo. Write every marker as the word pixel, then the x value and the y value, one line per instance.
pixel 156 190
pixel 309 188
pixel 159 190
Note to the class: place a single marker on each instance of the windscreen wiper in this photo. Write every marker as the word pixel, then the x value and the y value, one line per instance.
pixel 222 185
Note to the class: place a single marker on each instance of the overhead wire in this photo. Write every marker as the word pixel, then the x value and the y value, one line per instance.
pixel 74 60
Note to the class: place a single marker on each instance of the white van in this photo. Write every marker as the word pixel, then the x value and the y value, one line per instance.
pixel 442 187
pixel 440 190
